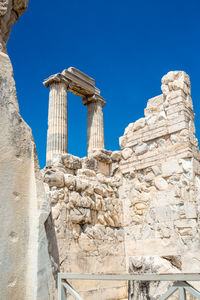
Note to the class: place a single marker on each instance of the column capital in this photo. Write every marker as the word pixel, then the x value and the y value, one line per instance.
pixel 94 99
pixel 56 78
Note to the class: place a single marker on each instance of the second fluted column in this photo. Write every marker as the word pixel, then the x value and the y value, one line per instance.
pixel 95 125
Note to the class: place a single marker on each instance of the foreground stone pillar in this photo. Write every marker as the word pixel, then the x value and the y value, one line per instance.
pixel 57 117
pixel 95 126
pixel 25 265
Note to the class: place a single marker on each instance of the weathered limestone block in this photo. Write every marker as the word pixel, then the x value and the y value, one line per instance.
pixel 54 178
pixel 72 162
pixel 141 149
pixel 116 156
pixel 70 181
pixel 177 80
pixel 154 106
pixel 139 124
pixel 101 155
pixel 89 163
pixel 86 173
pixel 126 153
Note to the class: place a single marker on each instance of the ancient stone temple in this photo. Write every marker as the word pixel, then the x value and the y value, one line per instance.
pixel 82 85
pixel 133 211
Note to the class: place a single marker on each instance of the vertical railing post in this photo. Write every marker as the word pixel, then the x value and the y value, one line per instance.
pixel 63 292
pixel 59 287
pixel 62 295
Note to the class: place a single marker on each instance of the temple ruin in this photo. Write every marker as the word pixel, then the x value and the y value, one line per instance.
pixel 78 83
pixel 132 212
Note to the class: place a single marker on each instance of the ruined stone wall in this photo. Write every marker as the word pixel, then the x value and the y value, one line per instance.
pixel 160 191
pixel 134 210
pixel 87 215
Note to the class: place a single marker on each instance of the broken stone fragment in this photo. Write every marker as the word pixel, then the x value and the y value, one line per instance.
pixel 139 124
pixel 69 180
pixel 141 149
pixel 176 80
pixel 101 155
pixel 89 163
pixel 151 119
pixel 72 162
pixel 54 178
pixel 116 156
pixel 126 153
pixel 74 199
pixel 99 189
pixel 129 128
pixel 86 173
pixel 81 184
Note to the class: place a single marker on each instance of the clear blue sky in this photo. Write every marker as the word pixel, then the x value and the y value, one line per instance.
pixel 126 46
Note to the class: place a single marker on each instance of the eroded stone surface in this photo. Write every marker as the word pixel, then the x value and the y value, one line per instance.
pixel 10 11
pixel 160 197
pixel 25 264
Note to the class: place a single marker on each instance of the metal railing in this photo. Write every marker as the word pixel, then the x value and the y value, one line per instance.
pixel 180 282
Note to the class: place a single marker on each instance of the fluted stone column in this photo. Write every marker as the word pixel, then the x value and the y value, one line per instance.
pixel 95 125
pixel 57 116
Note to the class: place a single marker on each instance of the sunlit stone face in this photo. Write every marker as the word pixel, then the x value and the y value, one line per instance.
pixel 3 7
pixel 10 11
